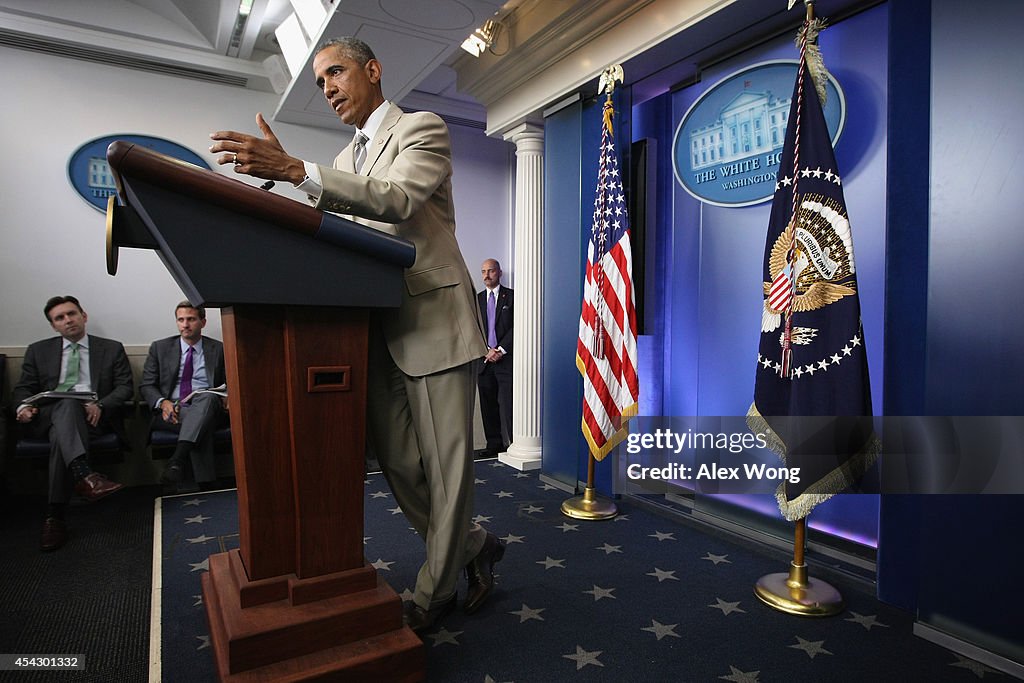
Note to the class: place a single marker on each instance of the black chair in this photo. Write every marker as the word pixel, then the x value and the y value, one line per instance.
pixel 163 442
pixel 106 448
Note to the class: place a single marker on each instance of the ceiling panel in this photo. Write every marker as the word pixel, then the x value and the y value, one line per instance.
pixel 411 39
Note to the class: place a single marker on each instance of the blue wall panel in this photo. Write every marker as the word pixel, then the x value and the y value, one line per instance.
pixel 563 289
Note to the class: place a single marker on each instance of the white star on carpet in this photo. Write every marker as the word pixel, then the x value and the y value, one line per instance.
pixel 480 519
pixel 406 595
pixel 717 559
pixel 866 620
pixel 381 564
pixel 203 566
pixel 528 613
pixel 198 600
pixel 503 494
pixel 512 538
pixel 191 501
pixel 479 481
pixel 522 475
pixel 662 630
pixel 812 648
pixel 582 657
pixel 497 463
pixel 547 487
pixel 976 668
pixel 738 676
pixel 198 519
pixel 662 537
pixel 599 593
pixel 488 679
pixel 530 509
pixel 204 642
pixel 200 539
pixel 366 538
pixel 662 575
pixel 445 636
pixel 550 562
pixel 380 494
pixel 727 607
pixel 395 511
pixel 621 518
pixel 609 549
pixel 565 526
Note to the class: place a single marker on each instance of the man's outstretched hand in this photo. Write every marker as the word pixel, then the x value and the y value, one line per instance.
pixel 262 157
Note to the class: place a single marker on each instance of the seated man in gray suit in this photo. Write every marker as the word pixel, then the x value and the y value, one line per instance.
pixel 176 367
pixel 73 362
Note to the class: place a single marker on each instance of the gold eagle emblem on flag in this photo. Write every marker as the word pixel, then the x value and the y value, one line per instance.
pixel 823 264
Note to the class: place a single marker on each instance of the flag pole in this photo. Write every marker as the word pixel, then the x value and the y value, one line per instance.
pixel 589 506
pixel 794 592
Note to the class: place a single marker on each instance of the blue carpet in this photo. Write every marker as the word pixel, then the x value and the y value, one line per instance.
pixel 640 598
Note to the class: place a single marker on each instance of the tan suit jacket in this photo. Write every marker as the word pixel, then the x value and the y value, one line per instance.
pixel 405 189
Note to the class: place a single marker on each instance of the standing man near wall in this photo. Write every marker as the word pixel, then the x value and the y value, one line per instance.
pixel 175 367
pixel 495 375
pixel 73 361
pixel 395 177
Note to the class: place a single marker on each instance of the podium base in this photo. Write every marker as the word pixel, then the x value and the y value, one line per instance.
pixel 353 636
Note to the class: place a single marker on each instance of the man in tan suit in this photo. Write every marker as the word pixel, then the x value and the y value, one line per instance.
pixel 395 176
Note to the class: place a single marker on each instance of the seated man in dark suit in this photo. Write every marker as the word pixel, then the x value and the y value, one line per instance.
pixel 176 367
pixel 78 362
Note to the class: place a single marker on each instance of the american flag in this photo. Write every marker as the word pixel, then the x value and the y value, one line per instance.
pixel 606 349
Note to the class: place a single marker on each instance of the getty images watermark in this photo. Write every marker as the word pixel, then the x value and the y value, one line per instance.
pixel 665 442
pixel 920 454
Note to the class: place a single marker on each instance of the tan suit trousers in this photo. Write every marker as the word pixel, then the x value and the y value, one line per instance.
pixel 421 432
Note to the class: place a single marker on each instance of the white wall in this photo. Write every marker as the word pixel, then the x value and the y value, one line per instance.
pixel 52 241
pixel 483 183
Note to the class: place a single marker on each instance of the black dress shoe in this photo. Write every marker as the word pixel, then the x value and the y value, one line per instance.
pixel 419 619
pixel 55 534
pixel 174 472
pixel 480 573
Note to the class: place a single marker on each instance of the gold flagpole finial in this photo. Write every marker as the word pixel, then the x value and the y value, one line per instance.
pixel 609 77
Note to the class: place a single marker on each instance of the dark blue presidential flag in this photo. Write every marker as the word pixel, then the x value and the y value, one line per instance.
pixel 811 393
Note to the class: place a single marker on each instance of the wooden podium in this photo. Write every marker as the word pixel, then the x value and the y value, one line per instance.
pixel 297 601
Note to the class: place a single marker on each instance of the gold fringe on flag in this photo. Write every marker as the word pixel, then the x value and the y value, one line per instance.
pixel 812 57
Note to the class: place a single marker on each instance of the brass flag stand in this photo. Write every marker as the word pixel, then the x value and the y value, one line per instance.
pixel 589 506
pixel 795 592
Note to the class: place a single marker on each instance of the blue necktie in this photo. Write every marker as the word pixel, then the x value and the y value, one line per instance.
pixel 492 338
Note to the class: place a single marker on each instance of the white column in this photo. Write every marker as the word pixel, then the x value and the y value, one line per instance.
pixel 525 450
